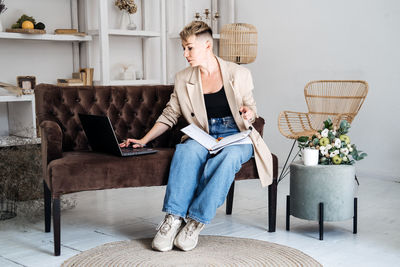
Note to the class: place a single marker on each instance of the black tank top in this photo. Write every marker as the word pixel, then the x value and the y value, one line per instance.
pixel 217 105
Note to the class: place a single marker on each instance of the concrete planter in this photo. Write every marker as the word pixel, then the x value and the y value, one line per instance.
pixel 334 185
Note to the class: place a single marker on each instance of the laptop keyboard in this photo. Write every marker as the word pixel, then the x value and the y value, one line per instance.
pixel 135 151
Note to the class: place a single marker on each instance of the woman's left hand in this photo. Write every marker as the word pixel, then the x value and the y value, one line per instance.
pixel 247 113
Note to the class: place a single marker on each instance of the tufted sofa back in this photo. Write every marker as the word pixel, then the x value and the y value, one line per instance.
pixel 132 110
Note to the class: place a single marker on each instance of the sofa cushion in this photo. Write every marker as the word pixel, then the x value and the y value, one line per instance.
pixel 82 171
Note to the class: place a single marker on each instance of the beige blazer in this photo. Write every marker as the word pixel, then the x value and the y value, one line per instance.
pixel 187 100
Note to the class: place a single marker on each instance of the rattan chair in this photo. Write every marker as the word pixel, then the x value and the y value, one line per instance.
pixel 335 99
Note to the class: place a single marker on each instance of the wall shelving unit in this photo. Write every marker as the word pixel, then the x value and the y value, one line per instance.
pixel 17 113
pixel 157 45
pixel 104 33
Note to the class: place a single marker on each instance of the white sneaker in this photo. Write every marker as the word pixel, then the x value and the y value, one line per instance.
pixel 189 235
pixel 167 231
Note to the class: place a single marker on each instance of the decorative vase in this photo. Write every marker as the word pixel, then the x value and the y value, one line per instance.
pixel 124 20
pixel 131 26
pixel 139 75
pixel 128 75
pixel 310 156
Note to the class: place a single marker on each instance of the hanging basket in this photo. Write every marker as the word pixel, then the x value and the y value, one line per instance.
pixel 238 43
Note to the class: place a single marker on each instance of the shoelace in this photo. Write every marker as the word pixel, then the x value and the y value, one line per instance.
pixel 191 227
pixel 165 225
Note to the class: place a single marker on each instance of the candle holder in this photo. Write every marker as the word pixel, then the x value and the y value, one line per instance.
pixel 211 20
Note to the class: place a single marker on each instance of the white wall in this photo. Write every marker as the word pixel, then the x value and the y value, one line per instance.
pixel 308 40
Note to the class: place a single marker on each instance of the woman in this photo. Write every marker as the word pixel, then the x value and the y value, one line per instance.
pixel 216 96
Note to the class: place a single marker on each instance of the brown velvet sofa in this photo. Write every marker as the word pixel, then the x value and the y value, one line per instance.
pixel 69 165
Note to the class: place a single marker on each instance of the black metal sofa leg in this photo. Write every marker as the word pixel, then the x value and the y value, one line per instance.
pixel 47 207
pixel 56 225
pixel 229 199
pixel 272 194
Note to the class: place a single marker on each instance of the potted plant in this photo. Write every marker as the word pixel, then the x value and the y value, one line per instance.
pixel 333 145
pixel 332 181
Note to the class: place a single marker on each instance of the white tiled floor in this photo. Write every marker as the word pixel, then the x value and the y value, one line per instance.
pixel 111 215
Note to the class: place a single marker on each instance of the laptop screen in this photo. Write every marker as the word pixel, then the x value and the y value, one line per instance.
pixel 100 133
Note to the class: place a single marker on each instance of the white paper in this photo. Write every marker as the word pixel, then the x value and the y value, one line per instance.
pixel 244 141
pixel 200 136
pixel 231 139
pixel 211 143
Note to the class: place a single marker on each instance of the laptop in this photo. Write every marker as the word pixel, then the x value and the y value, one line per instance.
pixel 102 138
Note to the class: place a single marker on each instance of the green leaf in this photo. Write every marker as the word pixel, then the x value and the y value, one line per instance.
pixel 361 156
pixel 344 127
pixel 302 139
pixel 316 141
pixel 328 123
pixel 331 136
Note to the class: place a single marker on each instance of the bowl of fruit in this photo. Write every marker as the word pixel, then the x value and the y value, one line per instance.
pixel 27 24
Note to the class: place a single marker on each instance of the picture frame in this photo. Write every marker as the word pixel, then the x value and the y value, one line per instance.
pixel 26 82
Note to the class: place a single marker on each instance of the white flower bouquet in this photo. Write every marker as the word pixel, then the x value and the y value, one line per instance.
pixel 333 144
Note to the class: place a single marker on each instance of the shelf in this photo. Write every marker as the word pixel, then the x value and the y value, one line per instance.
pixel 20 126
pixel 176 36
pixel 116 32
pixel 134 82
pixel 45 37
pixel 11 140
pixel 14 98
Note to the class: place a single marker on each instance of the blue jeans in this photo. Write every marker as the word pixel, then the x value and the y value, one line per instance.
pixel 198 181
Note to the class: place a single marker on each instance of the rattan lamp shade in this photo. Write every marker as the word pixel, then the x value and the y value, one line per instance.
pixel 238 43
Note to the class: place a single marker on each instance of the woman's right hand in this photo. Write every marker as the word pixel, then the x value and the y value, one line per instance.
pixel 158 129
pixel 136 143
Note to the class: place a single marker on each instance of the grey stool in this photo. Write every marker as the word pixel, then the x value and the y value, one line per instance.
pixel 323 193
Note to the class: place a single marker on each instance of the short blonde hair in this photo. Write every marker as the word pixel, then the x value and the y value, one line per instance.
pixel 197 28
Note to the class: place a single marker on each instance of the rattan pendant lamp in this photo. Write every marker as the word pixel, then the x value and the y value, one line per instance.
pixel 238 43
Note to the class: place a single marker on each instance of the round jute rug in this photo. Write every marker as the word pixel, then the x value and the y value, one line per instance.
pixel 211 251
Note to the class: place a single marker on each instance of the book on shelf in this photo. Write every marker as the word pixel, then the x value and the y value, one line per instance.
pixel 214 145
pixel 70 82
pixel 87 75
pixel 82 78
pixel 69 31
pixel 65 31
pixel 76 75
